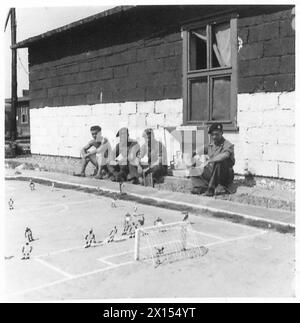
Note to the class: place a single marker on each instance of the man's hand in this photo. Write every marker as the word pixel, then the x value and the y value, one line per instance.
pixel 90 153
pixel 146 171
pixel 113 163
pixel 86 155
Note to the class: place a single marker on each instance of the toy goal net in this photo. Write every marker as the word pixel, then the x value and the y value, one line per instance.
pixel 168 243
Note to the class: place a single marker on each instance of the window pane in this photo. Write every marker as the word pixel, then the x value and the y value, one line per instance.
pixel 198 50
pixel 221 45
pixel 221 98
pixel 198 100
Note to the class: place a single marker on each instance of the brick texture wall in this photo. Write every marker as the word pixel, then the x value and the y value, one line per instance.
pixel 267 58
pixel 139 58
pixel 129 72
pixel 131 58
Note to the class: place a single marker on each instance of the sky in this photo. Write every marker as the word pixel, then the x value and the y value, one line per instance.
pixel 45 19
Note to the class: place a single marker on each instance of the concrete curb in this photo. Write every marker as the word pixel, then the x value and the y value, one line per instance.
pixel 235 217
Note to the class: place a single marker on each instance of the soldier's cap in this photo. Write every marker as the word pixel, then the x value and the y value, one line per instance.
pixel 214 127
pixel 122 130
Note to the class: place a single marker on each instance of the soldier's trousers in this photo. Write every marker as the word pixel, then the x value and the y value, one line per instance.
pixel 158 172
pixel 219 173
pixel 123 172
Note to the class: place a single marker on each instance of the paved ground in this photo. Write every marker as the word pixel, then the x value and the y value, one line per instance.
pixel 280 220
pixel 242 261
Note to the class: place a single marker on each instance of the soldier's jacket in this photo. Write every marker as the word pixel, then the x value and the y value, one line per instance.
pixel 225 146
pixel 156 153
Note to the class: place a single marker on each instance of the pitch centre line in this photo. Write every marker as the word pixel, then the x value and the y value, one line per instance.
pixel 66 204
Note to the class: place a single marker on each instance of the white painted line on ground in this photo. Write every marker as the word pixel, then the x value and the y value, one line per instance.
pixel 106 262
pixel 57 282
pixel 118 254
pixel 64 205
pixel 236 239
pixel 48 254
pixel 209 235
pixel 203 207
pixel 225 222
pixel 60 281
pixel 53 268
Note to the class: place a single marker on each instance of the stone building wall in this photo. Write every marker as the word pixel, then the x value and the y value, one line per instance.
pixel 138 84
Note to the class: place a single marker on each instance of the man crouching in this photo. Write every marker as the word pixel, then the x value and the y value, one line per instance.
pixel 217 167
pixel 96 155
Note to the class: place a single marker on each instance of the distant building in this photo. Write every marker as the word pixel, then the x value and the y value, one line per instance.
pixel 170 66
pixel 23 120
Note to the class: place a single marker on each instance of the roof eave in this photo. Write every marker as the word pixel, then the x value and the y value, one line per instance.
pixel 27 42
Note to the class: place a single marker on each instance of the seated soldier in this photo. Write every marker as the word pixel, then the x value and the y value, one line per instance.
pixel 217 172
pixel 156 157
pixel 88 155
pixel 103 155
pixel 123 163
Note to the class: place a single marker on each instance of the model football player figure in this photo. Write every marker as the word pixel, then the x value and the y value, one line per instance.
pixel 141 221
pixel 121 186
pixel 90 239
pixel 159 253
pixel 158 222
pixel 31 185
pixel 132 229
pixel 186 216
pixel 26 251
pixel 113 203
pixel 11 204
pixel 127 224
pixel 28 235
pixel 112 235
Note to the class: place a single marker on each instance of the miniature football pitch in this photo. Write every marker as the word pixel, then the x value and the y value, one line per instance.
pixel 242 261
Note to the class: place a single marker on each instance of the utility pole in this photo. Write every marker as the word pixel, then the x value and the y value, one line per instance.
pixel 14 84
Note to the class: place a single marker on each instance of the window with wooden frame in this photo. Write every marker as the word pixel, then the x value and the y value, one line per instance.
pixel 210 72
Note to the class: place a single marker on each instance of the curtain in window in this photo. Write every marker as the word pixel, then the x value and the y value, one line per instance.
pixel 197 34
pixel 222 45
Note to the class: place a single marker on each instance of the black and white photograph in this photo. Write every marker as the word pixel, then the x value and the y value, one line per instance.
pixel 150 152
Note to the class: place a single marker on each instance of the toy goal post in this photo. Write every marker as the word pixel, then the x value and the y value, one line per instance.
pixel 167 243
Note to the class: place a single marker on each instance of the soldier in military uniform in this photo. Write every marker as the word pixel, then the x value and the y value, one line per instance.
pixel 123 164
pixel 156 157
pixel 217 176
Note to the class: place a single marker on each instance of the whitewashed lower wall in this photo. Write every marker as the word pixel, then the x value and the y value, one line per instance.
pixel 264 144
pixel 63 131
